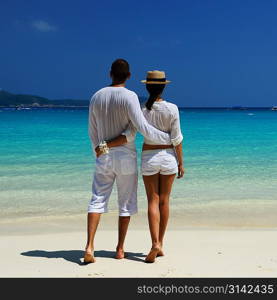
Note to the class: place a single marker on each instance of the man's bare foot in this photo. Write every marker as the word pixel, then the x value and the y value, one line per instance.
pixel 119 253
pixel 160 253
pixel 89 257
pixel 150 258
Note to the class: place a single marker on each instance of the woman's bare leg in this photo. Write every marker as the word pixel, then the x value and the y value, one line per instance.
pixel 166 182
pixel 152 190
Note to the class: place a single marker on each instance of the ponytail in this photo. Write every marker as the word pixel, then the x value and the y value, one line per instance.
pixel 152 98
pixel 154 90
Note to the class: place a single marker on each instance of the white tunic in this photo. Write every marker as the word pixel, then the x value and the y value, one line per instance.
pixel 112 111
pixel 164 116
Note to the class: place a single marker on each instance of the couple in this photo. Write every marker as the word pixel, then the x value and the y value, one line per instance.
pixel 115 115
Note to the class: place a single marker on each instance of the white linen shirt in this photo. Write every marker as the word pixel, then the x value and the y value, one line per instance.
pixel 112 111
pixel 164 116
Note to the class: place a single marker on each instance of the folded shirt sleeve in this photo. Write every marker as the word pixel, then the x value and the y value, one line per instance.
pixel 176 134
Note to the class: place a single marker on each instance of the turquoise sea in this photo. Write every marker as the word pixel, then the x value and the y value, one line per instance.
pixel 46 162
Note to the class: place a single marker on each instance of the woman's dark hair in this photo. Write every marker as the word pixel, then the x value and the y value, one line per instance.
pixel 120 70
pixel 154 91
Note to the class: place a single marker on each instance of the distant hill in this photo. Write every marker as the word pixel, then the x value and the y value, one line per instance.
pixel 11 100
pixel 8 99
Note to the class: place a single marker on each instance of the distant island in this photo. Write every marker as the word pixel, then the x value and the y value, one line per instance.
pixel 8 99
pixel 21 101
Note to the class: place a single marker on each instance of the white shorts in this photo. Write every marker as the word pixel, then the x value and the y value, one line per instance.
pixel 118 165
pixel 161 161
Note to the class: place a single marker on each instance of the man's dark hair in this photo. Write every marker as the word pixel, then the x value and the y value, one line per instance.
pixel 120 70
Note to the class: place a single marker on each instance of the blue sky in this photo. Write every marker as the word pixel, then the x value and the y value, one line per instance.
pixel 215 52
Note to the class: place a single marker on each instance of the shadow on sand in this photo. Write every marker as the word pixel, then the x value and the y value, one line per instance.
pixel 76 256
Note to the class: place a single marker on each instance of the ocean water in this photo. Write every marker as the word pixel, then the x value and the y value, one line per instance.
pixel 46 162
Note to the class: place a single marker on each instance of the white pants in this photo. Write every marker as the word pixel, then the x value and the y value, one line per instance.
pixel 118 165
pixel 161 161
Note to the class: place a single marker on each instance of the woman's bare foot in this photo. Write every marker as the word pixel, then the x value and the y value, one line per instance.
pixel 119 253
pixel 89 257
pixel 150 258
pixel 160 253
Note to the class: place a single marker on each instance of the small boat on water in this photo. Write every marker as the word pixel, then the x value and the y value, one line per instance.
pixel 274 108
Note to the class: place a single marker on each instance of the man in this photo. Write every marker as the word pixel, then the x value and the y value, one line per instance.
pixel 113 111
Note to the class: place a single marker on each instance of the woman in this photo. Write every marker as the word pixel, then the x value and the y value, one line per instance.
pixel 159 163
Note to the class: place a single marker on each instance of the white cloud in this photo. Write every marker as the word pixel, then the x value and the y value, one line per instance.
pixel 43 26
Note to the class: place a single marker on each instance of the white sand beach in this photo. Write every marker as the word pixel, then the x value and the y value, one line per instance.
pixel 57 251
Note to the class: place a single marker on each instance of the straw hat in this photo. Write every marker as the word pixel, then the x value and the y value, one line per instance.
pixel 155 77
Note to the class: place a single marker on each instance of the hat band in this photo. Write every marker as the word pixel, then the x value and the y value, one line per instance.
pixel 156 79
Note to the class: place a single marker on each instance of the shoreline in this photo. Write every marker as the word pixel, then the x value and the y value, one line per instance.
pixel 33 225
pixel 22 106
